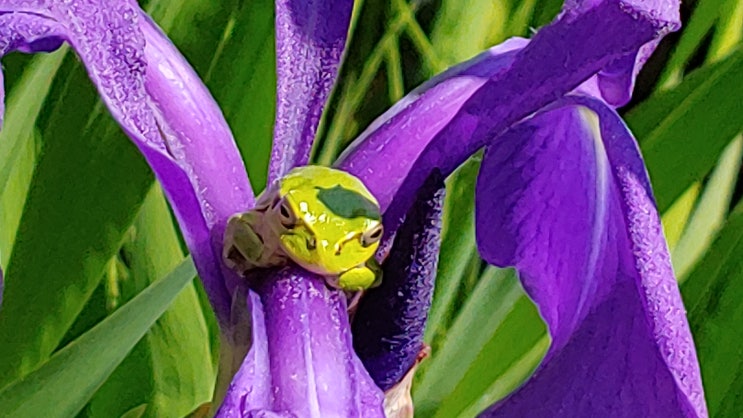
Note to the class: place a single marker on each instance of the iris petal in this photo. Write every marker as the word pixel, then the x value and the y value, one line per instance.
pixel 310 39
pixel 447 119
pixel 302 360
pixel 580 43
pixel 389 323
pixel 568 203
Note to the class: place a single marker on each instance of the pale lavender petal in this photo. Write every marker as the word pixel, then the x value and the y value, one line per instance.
pixel 569 204
pixel 198 138
pixel 390 320
pixel 560 57
pixel 302 362
pixel 310 39
pixel 251 385
pixel 160 103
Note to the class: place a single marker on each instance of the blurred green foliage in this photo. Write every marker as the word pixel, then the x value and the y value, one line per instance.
pixel 85 232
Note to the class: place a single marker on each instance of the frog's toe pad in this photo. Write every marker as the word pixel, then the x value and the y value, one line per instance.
pixel 358 278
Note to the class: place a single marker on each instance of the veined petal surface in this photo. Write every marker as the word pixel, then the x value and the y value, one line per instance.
pixel 302 361
pixel 564 197
pixel 310 39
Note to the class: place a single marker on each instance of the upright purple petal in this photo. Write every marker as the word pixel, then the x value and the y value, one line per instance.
pixel 160 103
pixel 561 56
pixel 302 361
pixel 390 320
pixel 572 209
pixel 310 38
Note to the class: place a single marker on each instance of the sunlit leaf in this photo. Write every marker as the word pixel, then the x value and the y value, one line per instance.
pixel 62 386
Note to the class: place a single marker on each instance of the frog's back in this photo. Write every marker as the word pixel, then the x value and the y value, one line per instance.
pixel 310 178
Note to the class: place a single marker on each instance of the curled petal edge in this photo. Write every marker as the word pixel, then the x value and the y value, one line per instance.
pixel 622 329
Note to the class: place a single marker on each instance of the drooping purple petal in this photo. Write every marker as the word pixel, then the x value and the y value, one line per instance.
pixel 407 127
pixel 580 43
pixel 571 206
pixel 302 361
pixel 310 39
pixel 160 103
pixel 198 138
pixel 446 120
pixel 390 320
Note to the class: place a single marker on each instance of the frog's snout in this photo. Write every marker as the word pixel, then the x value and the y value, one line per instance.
pixel 351 236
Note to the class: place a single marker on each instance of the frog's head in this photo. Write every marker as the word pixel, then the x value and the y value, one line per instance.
pixel 330 221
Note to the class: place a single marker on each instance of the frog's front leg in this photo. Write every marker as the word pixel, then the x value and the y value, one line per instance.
pixel 358 279
pixel 361 277
pixel 243 246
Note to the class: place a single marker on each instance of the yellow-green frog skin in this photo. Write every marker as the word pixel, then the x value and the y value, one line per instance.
pixel 323 219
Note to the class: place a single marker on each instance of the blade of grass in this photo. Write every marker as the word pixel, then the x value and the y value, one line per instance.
pixel 700 24
pixel 171 368
pixel 710 213
pixel 19 144
pixel 712 295
pixel 88 361
pixel 683 131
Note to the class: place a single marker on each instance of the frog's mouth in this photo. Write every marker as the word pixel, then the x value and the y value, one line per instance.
pixel 320 257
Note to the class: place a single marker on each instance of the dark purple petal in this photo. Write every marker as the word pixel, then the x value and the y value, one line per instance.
pixel 390 320
pixel 26 33
pixel 161 104
pixel 580 43
pixel 569 204
pixel 310 38
pixel 302 360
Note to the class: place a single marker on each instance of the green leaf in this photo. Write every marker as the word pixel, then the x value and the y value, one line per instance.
pixel 710 213
pixel 234 53
pixel 469 364
pixel 692 38
pixel 171 368
pixel 458 259
pixel 712 295
pixel 62 385
pixel 683 131
pixel 88 182
pixel 19 143
pixel 242 78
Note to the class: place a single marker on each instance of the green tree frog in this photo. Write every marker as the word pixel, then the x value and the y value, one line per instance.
pixel 321 218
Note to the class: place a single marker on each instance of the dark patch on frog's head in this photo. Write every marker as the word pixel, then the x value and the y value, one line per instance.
pixel 348 203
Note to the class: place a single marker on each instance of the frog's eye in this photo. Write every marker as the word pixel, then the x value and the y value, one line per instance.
pixel 286 215
pixel 372 235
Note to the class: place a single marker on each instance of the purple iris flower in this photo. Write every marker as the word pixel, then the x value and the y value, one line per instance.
pixel 562 195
